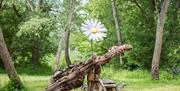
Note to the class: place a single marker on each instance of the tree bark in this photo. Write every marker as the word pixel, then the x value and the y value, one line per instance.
pixel 74 75
pixel 67 30
pixel 117 25
pixel 7 61
pixel 158 42
pixel 58 53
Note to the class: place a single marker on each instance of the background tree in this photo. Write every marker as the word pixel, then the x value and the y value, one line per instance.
pixel 158 42
pixel 117 25
pixel 67 30
pixel 8 64
pixel 36 29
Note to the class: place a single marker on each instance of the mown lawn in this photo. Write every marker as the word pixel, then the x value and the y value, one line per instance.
pixel 135 80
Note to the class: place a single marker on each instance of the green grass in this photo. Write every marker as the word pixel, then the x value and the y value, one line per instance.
pixel 31 83
pixel 136 80
pixel 141 80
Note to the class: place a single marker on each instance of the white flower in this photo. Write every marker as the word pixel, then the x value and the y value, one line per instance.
pixel 94 30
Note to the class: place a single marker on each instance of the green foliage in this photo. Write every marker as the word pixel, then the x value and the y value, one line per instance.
pixel 36 26
pixel 137 27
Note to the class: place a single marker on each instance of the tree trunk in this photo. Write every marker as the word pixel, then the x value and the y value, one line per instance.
pixel 58 53
pixel 35 51
pixel 7 61
pixel 158 42
pixel 67 30
pixel 116 21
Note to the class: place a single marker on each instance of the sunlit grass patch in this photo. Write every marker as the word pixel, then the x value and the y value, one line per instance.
pixel 3 80
pixel 137 80
pixel 165 88
pixel 141 80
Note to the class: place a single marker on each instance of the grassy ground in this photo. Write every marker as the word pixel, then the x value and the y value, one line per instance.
pixel 135 80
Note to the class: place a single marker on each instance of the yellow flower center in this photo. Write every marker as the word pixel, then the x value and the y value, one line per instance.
pixel 94 30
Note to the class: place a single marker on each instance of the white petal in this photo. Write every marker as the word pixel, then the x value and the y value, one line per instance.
pixel 87 33
pixel 99 36
pixel 95 22
pixel 98 24
pixel 92 23
pixel 85 25
pixel 103 29
pixel 84 29
pixel 88 22
pixel 96 37
pixel 103 34
pixel 90 37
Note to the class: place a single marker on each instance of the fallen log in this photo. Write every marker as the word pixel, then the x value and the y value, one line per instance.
pixel 74 75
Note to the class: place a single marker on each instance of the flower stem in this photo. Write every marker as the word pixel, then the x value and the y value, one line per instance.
pixel 92 46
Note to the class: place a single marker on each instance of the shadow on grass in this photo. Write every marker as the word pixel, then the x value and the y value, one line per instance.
pixel 39 70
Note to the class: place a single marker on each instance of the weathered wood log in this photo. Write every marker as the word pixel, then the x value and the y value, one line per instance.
pixel 73 76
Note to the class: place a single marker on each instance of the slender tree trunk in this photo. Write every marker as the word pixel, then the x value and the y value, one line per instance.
pixel 58 53
pixel 35 51
pixel 7 61
pixel 67 30
pixel 117 24
pixel 158 42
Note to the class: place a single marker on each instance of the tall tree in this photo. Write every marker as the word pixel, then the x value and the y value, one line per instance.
pixel 35 47
pixel 117 25
pixel 67 30
pixel 158 42
pixel 7 61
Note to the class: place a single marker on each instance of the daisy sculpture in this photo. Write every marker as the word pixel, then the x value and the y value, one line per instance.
pixel 94 30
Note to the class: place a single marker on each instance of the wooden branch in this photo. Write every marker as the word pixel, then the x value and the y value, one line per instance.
pixel 73 76
pixel 30 4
